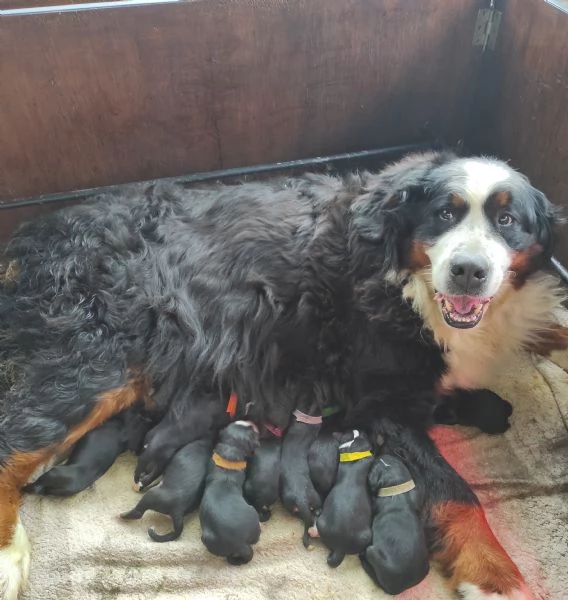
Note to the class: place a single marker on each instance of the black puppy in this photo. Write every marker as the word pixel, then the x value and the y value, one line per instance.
pixel 297 492
pixel 263 472
pixel 180 491
pixel 184 422
pixel 398 557
pixel 477 408
pixel 230 526
pixel 344 524
pixel 322 458
pixel 94 454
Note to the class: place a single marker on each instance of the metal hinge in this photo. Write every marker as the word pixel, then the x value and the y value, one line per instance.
pixel 487 28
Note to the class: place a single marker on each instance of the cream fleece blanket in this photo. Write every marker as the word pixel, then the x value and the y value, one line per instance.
pixel 82 551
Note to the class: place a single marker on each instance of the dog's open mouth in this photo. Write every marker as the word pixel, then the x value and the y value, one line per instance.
pixel 463 312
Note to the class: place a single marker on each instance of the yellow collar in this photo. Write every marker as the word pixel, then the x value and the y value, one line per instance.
pixel 230 465
pixel 353 456
pixel 395 490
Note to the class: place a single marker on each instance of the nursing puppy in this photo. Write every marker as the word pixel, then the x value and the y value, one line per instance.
pixel 184 422
pixel 93 455
pixel 297 491
pixel 398 557
pixel 263 473
pixel 180 491
pixel 344 524
pixel 322 456
pixel 230 526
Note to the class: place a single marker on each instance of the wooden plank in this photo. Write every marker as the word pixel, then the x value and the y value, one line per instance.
pixel 522 115
pixel 123 94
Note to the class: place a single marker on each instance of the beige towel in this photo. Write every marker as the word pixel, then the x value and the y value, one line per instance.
pixel 82 551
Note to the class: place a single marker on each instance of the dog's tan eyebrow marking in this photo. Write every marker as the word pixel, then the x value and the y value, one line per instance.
pixel 457 201
pixel 502 199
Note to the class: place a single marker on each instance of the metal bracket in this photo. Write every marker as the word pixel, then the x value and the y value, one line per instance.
pixel 487 28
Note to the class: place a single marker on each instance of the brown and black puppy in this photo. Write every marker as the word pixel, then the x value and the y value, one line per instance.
pixel 229 525
pixel 180 490
pixel 397 559
pixel 297 492
pixel 344 524
pixel 94 454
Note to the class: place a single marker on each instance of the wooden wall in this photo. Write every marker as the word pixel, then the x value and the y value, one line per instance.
pixel 522 113
pixel 98 97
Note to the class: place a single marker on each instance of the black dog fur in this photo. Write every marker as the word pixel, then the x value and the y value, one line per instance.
pixel 229 525
pixel 180 491
pixel 398 557
pixel 344 524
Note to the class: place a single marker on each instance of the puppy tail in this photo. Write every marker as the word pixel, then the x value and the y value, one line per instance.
pixel 177 521
pixel 166 537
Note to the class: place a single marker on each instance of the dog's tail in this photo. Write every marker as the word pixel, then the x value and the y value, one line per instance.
pixel 170 536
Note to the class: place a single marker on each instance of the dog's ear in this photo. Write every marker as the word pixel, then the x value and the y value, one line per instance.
pixel 547 218
pixel 387 216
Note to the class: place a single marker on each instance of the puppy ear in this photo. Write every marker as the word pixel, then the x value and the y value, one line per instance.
pixel 374 477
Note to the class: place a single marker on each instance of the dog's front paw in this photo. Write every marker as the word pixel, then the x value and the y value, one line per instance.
pixel 470 591
pixel 14 564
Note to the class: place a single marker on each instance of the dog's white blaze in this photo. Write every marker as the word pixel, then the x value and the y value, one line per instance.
pixel 480 177
pixel 14 564
pixel 511 321
pixel 473 235
pixel 470 591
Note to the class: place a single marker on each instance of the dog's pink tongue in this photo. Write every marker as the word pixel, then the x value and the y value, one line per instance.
pixel 463 304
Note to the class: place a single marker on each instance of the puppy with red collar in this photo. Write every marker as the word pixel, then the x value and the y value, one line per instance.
pixel 229 525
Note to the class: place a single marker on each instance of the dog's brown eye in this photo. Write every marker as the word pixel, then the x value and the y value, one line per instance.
pixel 505 220
pixel 446 214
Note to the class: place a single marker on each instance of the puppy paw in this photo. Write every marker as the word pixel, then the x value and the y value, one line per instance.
pixel 470 591
pixel 14 564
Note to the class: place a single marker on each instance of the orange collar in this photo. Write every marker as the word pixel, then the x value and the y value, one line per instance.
pixel 230 465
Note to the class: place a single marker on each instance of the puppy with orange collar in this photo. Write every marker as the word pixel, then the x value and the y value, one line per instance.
pixel 229 525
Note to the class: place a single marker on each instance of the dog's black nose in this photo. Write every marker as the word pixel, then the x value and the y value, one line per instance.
pixel 469 274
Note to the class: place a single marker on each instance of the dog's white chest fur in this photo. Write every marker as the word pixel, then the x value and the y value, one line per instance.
pixel 511 322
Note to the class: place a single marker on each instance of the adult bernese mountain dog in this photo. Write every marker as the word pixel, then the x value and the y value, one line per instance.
pixel 383 293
